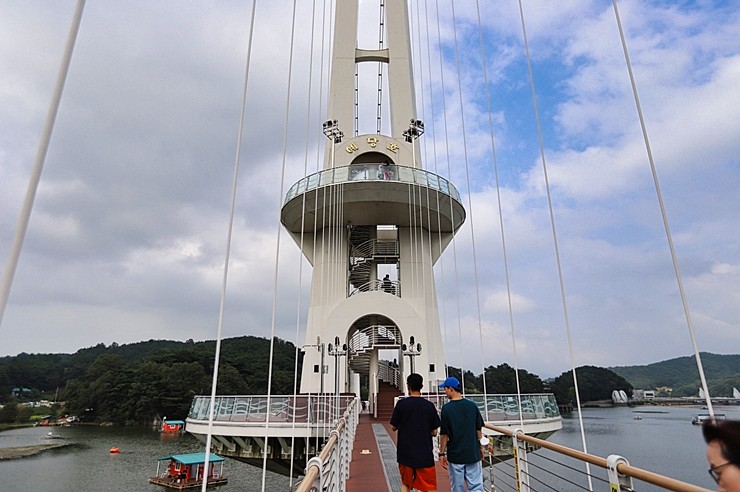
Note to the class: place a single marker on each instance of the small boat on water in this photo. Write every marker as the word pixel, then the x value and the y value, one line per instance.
pixel 185 471
pixel 172 426
pixel 699 419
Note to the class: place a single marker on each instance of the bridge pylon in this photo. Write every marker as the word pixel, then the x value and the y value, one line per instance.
pixel 372 224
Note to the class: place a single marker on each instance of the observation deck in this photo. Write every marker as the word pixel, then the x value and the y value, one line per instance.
pixel 373 193
pixel 296 427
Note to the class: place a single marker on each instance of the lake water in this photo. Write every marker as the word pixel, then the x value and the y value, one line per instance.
pixel 88 465
pixel 664 441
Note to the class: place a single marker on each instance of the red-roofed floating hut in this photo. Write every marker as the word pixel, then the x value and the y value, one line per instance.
pixel 173 426
pixel 185 471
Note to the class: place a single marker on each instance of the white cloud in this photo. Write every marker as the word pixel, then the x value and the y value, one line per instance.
pixel 499 302
pixel 126 241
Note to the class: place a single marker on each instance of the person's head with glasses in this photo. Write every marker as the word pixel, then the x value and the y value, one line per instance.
pixel 723 453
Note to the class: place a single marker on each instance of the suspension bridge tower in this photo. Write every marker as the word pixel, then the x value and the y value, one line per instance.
pixel 372 223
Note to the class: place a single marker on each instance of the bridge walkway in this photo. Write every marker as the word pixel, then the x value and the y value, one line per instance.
pixel 374 459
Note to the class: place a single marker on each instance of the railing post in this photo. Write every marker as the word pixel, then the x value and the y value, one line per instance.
pixel 335 461
pixel 521 467
pixel 317 484
pixel 343 461
pixel 374 395
pixel 617 481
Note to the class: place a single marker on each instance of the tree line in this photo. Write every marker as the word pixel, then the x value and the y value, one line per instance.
pixel 135 383
pixel 680 377
pixel 594 383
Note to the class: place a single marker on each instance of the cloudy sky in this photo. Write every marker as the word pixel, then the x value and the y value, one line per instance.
pixel 127 237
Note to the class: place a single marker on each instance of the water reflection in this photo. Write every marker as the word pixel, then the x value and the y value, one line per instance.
pixel 87 464
pixel 663 441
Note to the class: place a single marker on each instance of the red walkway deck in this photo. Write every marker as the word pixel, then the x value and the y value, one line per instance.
pixel 366 469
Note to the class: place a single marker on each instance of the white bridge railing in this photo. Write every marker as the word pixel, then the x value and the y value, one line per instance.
pixel 329 470
pixel 557 467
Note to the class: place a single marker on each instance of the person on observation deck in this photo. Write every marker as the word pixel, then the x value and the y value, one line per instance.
pixel 723 453
pixel 416 420
pixel 387 284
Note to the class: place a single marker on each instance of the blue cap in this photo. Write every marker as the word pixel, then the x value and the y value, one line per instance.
pixel 450 382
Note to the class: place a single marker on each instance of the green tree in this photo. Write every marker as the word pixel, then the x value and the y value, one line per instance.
pixel 502 379
pixel 594 383
pixel 9 413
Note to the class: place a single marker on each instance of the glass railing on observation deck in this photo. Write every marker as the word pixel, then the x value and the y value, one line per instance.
pixel 372 172
pixel 313 409
pixel 505 407
pixel 501 407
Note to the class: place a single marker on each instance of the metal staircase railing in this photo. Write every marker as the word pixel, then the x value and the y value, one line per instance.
pixel 377 249
pixel 361 272
pixel 360 234
pixel 393 287
pixel 363 258
pixel 364 341
pixel 389 373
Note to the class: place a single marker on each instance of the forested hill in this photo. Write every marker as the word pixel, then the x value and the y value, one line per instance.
pixel 682 376
pixel 137 382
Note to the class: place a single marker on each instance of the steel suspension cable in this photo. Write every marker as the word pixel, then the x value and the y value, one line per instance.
pixel 449 174
pixel 326 200
pixel 429 195
pixel 277 243
pixel 414 241
pixel 555 240
pixel 322 72
pixel 501 219
pixel 434 160
pixel 663 214
pixel 227 253
pixel 38 165
pixel 301 244
pixel 470 201
pixel 421 236
pixel 381 35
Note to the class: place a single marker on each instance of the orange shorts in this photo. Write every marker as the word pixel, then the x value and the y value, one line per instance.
pixel 418 478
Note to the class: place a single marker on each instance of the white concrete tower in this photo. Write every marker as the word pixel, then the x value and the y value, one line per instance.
pixel 372 211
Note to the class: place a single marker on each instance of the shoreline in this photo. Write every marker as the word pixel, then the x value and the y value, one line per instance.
pixel 26 451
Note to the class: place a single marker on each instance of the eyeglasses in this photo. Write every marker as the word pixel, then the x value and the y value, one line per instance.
pixel 713 470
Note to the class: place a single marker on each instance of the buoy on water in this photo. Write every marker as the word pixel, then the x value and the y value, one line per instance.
pixel 115 450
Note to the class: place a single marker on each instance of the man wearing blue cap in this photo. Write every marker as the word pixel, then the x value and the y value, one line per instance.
pixel 459 448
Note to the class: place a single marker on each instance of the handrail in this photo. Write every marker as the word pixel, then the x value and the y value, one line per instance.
pixel 372 172
pixel 313 470
pixel 388 373
pixel 376 247
pixel 622 468
pixel 393 287
pixel 337 449
pixel 374 335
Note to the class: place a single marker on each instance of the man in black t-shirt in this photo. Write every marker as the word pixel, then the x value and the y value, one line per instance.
pixel 416 420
